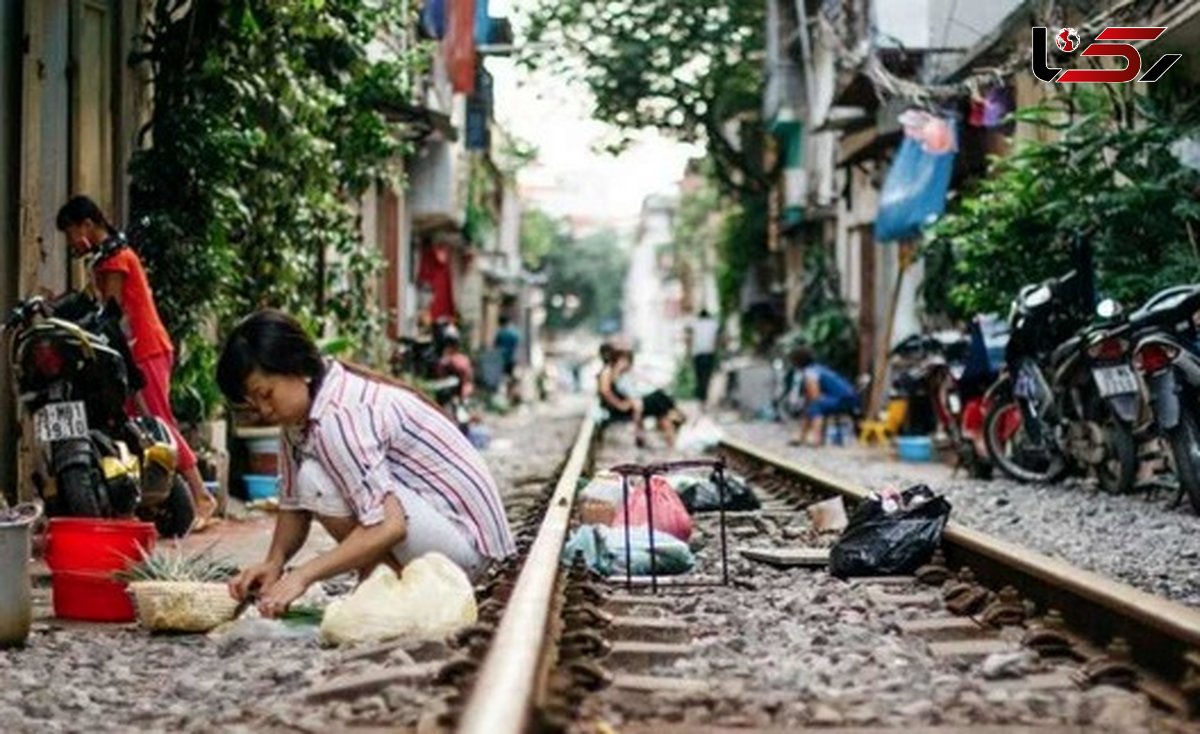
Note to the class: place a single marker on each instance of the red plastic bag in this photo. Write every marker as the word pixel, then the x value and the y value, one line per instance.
pixel 670 516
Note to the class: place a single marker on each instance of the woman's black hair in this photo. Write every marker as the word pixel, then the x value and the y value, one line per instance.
pixel 79 210
pixel 801 356
pixel 272 342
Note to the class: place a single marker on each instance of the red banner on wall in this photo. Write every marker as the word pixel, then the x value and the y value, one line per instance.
pixel 459 45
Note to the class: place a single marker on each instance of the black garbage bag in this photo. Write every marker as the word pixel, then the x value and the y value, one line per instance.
pixel 702 495
pixel 881 543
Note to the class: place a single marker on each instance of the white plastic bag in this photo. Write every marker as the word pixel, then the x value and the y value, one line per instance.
pixel 598 501
pixel 698 437
pixel 432 599
pixel 605 486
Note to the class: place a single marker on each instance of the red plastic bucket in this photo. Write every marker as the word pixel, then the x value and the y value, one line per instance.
pixel 83 554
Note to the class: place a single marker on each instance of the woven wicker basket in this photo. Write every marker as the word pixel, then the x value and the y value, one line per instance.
pixel 182 606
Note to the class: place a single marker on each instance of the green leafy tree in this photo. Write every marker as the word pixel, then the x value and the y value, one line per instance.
pixel 741 244
pixel 541 235
pixel 1109 173
pixel 693 238
pixel 268 125
pixel 684 68
pixel 585 281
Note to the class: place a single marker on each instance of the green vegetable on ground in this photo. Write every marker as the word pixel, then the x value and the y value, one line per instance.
pixel 178 565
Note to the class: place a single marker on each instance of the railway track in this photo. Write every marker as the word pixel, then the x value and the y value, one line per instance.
pixel 567 651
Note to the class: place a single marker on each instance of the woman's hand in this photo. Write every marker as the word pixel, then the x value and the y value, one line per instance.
pixel 279 595
pixel 260 575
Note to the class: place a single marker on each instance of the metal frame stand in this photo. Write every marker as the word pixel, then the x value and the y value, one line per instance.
pixel 646 471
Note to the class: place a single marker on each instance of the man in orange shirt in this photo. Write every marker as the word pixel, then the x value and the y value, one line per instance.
pixel 117 273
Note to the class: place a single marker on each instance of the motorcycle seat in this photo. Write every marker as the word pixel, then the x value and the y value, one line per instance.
pixel 1167 305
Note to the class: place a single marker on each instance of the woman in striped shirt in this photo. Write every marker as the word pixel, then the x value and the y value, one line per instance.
pixel 381 468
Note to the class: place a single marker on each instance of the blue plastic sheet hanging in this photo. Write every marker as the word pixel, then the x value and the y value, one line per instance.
pixel 914 192
pixel 433 18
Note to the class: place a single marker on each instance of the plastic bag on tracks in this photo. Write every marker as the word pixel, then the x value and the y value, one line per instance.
pixel 670 515
pixel 431 599
pixel 879 542
pixel 603 550
pixel 698 437
pixel 700 494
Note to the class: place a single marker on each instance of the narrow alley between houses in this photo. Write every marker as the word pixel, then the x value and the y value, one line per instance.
pixel 567 366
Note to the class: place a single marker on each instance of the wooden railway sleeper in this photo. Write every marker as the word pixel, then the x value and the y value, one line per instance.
pixel 583 615
pixel 583 643
pixel 1190 686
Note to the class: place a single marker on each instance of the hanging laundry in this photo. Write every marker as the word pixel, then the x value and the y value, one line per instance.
pixel 434 272
pixel 975 116
pixel 997 103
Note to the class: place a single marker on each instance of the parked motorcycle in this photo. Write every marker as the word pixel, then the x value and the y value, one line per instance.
pixel 1067 397
pixel 963 392
pixel 73 372
pixel 923 365
pixel 1167 354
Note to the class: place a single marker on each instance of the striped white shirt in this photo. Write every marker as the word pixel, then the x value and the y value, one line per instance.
pixel 373 438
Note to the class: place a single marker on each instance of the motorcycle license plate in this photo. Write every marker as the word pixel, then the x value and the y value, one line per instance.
pixel 1117 380
pixel 60 421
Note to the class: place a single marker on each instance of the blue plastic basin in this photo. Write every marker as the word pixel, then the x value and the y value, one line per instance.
pixel 261 486
pixel 915 448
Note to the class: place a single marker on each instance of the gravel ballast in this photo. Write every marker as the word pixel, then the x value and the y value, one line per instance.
pixel 797 647
pixel 1137 539
pixel 102 678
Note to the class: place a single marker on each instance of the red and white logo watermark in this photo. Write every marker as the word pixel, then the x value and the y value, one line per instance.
pixel 1067 40
pixel 1109 42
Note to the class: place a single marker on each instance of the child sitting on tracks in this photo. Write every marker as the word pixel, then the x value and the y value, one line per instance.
pixel 622 405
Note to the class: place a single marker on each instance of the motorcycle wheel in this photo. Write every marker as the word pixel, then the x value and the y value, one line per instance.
pixel 1185 453
pixel 176 514
pixel 79 489
pixel 978 467
pixel 1004 436
pixel 1117 473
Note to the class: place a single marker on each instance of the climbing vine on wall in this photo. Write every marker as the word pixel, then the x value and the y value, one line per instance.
pixel 266 129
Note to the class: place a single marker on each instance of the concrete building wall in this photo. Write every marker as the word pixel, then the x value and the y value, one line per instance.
pixel 51 155
pixel 69 113
pixel 10 99
pixel 510 228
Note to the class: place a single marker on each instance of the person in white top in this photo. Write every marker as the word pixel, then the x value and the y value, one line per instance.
pixel 703 348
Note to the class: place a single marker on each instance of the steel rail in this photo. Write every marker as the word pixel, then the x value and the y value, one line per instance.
pixel 1162 634
pixel 507 687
